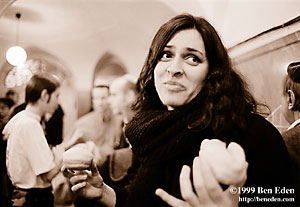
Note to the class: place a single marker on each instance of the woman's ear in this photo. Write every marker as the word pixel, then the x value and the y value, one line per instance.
pixel 291 101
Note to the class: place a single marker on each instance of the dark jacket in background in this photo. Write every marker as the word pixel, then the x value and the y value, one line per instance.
pixel 54 127
pixel 292 141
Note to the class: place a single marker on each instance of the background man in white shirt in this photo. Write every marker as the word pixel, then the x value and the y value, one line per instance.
pixel 31 163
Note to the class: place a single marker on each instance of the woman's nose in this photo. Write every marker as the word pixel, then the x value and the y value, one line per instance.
pixel 175 68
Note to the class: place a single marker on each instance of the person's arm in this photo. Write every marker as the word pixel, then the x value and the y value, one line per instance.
pixel 48 176
pixel 76 138
pixel 57 152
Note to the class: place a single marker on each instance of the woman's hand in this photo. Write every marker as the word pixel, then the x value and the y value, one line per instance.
pixel 206 184
pixel 86 183
pixel 89 184
pixel 227 164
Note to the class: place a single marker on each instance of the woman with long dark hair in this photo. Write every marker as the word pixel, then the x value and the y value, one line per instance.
pixel 189 92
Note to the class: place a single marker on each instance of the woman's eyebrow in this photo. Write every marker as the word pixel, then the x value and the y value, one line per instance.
pixel 169 46
pixel 194 50
pixel 189 49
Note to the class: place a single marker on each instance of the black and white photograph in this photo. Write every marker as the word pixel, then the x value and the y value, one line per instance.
pixel 149 103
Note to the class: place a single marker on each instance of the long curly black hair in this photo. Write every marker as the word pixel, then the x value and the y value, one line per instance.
pixel 223 102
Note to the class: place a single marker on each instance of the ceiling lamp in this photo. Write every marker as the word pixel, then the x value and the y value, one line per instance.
pixel 16 55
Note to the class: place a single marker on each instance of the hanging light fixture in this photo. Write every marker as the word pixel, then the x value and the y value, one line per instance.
pixel 16 55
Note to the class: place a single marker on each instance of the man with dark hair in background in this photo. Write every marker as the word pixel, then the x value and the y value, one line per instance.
pixel 31 163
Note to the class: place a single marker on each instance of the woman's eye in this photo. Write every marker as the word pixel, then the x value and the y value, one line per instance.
pixel 192 59
pixel 166 55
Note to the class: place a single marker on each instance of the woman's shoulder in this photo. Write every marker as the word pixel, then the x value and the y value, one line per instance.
pixel 259 133
pixel 258 123
pixel 266 153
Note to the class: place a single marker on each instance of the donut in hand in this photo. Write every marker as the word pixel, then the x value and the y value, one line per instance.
pixel 77 158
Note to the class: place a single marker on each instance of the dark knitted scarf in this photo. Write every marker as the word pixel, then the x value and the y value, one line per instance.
pixel 157 136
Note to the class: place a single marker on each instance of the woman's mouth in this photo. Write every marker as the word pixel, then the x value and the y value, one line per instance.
pixel 174 86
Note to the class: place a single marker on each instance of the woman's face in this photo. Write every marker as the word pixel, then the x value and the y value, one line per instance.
pixel 180 73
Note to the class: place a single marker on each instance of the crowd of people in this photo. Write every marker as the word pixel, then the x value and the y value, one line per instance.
pixel 186 133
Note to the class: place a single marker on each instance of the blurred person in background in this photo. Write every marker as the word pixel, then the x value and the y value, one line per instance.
pixel 54 126
pixel 52 123
pixel 13 95
pixel 31 162
pixel 53 129
pixel 100 125
pixel 5 107
pixel 6 188
pixel 122 95
pixel 291 112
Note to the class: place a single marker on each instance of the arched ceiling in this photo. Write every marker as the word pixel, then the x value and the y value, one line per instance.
pixel 78 32
pixel 71 20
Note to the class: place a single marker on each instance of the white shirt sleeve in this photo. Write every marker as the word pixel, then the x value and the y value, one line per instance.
pixel 36 148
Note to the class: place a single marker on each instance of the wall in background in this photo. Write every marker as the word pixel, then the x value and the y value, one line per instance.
pixel 264 67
